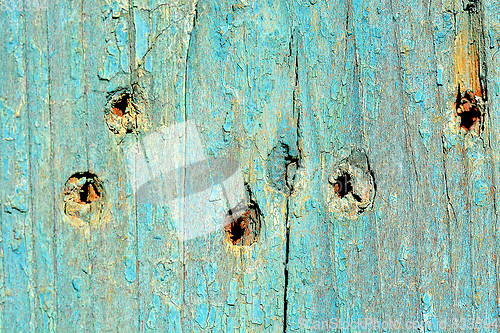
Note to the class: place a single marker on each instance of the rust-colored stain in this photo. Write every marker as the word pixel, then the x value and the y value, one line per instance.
pixel 467 58
pixel 468 109
pixel 238 228
pixel 343 186
pixel 120 106
pixel 118 112
pixel 82 188
pixel 242 227
pixel 122 112
pixel 467 65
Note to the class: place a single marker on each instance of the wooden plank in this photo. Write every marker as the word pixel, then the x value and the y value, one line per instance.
pixel 425 113
pixel 162 31
pixel 367 42
pixel 491 34
pixel 72 235
pixel 314 268
pixel 459 255
pixel 390 157
pixel 214 300
pixel 41 175
pixel 349 49
pixel 421 271
pixel 468 175
pixel 17 269
pixel 239 92
pixel 113 238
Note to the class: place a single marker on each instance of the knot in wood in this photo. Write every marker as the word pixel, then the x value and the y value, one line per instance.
pixel 352 187
pixel 123 111
pixel 470 109
pixel 81 191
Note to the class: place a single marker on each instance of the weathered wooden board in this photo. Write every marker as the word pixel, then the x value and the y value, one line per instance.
pixel 302 94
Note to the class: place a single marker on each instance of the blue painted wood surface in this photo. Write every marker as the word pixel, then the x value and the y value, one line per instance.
pixel 291 90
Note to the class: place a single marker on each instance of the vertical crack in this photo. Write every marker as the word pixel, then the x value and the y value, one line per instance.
pixel 291 165
pixel 287 255
pixel 55 306
pixel 451 211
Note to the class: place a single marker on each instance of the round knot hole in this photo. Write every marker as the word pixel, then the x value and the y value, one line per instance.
pixel 123 111
pixel 121 105
pixel 81 190
pixel 351 189
pixel 469 108
pixel 243 224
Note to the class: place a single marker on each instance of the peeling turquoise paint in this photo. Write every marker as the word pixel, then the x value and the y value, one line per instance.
pixel 269 83
pixel 141 36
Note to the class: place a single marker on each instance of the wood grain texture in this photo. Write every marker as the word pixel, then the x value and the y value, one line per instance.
pixel 291 90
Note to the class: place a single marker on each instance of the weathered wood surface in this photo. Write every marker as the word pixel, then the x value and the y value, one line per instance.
pixel 289 89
